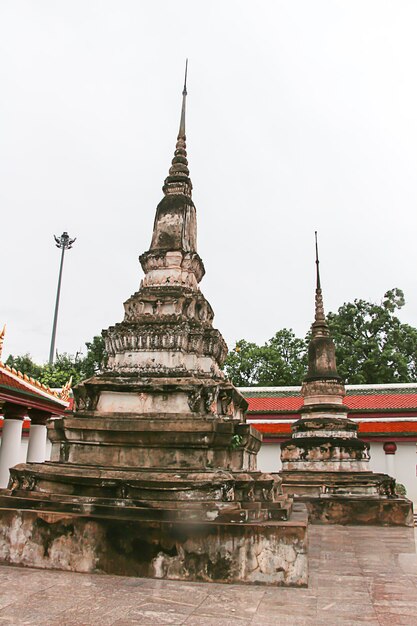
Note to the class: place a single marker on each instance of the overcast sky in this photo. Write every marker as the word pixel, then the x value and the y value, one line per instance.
pixel 301 116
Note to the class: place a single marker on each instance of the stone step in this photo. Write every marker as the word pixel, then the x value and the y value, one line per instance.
pixel 124 512
pixel 143 485
pixel 278 511
pixel 254 511
pixel 218 512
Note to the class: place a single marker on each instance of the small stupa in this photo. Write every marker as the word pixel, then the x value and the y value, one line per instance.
pixel 325 464
pixel 154 474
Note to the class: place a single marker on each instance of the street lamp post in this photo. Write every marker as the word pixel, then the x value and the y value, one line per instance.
pixel 64 243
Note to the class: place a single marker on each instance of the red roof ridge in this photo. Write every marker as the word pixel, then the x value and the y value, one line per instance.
pixel 297 388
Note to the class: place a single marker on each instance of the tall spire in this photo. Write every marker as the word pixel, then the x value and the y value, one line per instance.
pixel 178 181
pixel 319 326
pixel 318 284
pixel 321 350
pixel 181 132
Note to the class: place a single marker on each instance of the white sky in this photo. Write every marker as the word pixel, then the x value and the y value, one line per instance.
pixel 301 116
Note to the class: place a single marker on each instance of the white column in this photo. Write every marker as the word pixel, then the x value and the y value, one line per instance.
pixel 390 464
pixel 390 448
pixel 37 444
pixel 10 448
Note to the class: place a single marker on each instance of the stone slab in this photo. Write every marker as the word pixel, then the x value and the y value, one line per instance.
pixel 272 553
pixel 359 510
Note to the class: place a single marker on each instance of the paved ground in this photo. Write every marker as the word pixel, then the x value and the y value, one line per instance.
pixel 358 576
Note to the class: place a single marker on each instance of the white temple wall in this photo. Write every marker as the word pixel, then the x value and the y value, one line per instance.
pixel 401 465
pixel 405 467
pixel 269 457
pixel 377 461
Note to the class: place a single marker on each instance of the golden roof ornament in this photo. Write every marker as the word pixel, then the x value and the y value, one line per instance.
pixel 2 334
pixel 66 390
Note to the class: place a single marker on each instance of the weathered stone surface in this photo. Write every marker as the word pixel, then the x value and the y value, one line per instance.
pixel 332 509
pixel 224 552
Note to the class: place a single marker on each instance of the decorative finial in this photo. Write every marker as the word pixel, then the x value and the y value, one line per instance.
pixel 178 181
pixel 321 349
pixel 320 325
pixel 2 334
pixel 66 390
pixel 184 91
pixel 318 285
pixel 181 132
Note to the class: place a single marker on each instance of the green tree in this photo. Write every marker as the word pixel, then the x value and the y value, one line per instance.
pixel 280 361
pixel 95 358
pixel 65 366
pixel 242 364
pixel 25 364
pixel 372 345
pixel 284 360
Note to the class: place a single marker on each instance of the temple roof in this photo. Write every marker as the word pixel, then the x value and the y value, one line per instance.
pixel 21 389
pixel 284 400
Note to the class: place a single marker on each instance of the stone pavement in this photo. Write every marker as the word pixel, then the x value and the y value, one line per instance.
pixel 358 576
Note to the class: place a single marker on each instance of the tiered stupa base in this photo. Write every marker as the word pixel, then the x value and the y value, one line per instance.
pixel 118 537
pixel 325 466
pixel 172 496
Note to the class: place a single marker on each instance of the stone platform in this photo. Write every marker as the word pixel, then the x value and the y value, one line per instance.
pixel 135 495
pixel 358 575
pixel 263 553
pixel 348 497
pixel 212 525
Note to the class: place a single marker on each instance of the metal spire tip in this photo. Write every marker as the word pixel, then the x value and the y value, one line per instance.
pixel 318 285
pixel 184 91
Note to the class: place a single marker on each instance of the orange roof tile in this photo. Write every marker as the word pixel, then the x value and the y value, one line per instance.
pixel 373 398
pixel 382 401
pixel 285 404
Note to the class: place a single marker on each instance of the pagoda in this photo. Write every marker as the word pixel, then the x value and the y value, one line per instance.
pixel 155 474
pixel 325 464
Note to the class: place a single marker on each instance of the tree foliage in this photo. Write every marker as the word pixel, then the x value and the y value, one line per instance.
pixel 78 367
pixel 372 346
pixel 25 364
pixel 95 358
pixel 280 361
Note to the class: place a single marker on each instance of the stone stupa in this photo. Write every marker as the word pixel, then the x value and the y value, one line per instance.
pixel 154 474
pixel 325 464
